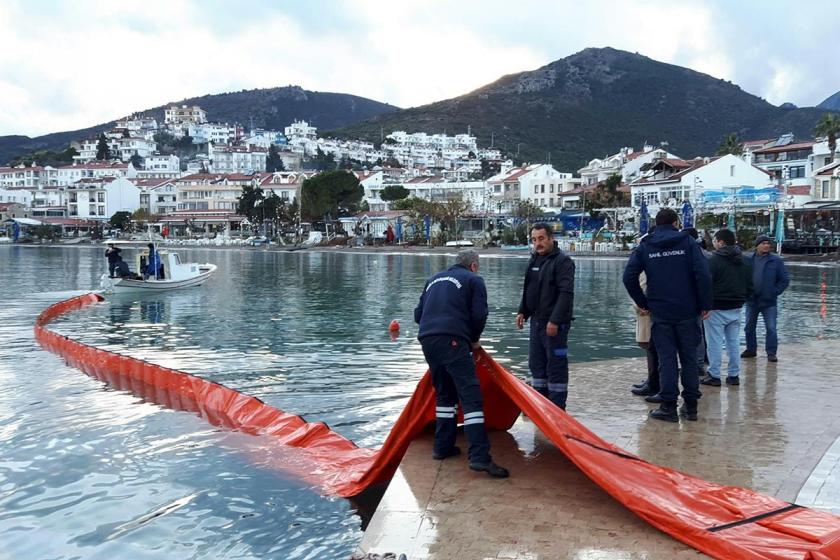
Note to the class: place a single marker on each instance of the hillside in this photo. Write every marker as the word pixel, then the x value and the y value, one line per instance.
pixel 268 108
pixel 832 103
pixel 594 102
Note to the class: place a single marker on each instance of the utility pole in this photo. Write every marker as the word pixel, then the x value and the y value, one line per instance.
pixel 491 139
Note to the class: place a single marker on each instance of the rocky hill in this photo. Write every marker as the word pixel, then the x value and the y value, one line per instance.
pixel 594 102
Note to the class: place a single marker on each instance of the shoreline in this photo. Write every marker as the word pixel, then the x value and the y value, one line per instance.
pixel 823 259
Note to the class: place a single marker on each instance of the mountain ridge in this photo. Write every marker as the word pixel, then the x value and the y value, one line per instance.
pixel 595 101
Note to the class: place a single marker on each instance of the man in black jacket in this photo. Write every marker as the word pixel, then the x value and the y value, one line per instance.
pixel 731 288
pixel 452 313
pixel 679 290
pixel 548 299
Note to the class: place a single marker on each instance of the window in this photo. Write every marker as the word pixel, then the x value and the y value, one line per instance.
pixel 796 172
pixel 536 189
pixel 826 192
pixel 542 188
pixel 100 197
pixel 551 188
pixel 731 170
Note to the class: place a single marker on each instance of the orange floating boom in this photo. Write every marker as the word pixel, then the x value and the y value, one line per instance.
pixel 723 521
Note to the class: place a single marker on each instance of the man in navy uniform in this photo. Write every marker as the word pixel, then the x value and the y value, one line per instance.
pixel 452 313
pixel 679 290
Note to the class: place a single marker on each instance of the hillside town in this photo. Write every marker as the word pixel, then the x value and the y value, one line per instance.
pixel 785 186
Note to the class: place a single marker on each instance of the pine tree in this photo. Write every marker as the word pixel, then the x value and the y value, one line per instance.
pixel 103 151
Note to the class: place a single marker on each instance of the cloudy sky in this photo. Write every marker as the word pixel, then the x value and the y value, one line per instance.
pixel 68 65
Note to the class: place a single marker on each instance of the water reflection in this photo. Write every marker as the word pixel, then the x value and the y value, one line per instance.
pixel 93 471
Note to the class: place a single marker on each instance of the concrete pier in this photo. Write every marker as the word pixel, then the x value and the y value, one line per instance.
pixel 776 433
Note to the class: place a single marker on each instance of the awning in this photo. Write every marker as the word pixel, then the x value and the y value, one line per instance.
pixel 27 221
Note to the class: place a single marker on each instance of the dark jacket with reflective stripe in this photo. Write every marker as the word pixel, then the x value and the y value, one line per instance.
pixel 679 285
pixel 453 303
pixel 557 289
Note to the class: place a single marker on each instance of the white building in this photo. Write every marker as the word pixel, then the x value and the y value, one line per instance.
pixel 184 114
pixel 217 133
pixel 70 174
pixel 120 147
pixel 539 184
pixel 284 184
pixel 702 181
pixel 101 198
pixel 16 195
pixel 301 129
pixel 157 166
pixel 211 191
pixel 628 163
pixel 236 159
pixel 138 125
pixel 436 189
pixel 158 196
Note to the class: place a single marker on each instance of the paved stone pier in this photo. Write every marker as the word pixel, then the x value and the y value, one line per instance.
pixel 775 433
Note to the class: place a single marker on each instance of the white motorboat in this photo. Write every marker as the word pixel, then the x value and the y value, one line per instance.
pixel 173 274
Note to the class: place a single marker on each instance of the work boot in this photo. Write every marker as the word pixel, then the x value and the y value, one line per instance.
pixel 689 410
pixel 772 358
pixel 666 412
pixel 490 468
pixel 711 381
pixel 655 399
pixel 642 391
pixel 733 380
pixel 640 385
pixel 440 456
pixel 748 354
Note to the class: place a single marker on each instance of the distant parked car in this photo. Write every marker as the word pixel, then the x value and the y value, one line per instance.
pixel 257 240
pixel 459 243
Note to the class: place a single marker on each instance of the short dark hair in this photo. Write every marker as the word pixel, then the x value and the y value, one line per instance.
pixel 726 236
pixel 666 217
pixel 545 226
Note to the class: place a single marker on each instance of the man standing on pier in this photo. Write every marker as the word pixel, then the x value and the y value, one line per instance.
pixel 679 290
pixel 547 299
pixel 770 279
pixel 452 313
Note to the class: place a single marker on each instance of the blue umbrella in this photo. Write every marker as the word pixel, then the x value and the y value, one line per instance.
pixel 15 231
pixel 644 217
pixel 427 225
pixel 687 216
pixel 730 224
pixel 399 229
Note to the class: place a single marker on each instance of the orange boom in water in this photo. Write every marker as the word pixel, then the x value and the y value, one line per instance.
pixel 723 521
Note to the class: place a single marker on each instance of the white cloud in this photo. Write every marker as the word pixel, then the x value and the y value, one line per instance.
pixel 75 65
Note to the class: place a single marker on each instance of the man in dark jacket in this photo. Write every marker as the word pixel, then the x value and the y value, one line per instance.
pixel 679 290
pixel 113 254
pixel 452 313
pixel 547 299
pixel 770 279
pixel 731 287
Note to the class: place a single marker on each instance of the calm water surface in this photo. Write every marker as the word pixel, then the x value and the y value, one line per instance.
pixel 91 472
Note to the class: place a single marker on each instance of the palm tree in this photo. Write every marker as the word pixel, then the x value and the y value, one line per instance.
pixel 829 128
pixel 731 145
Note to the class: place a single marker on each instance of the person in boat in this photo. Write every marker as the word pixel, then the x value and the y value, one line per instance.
pixel 113 255
pixel 153 264
pixel 547 300
pixel 452 313
pixel 121 270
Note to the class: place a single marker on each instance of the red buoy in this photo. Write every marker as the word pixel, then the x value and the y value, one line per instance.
pixel 394 326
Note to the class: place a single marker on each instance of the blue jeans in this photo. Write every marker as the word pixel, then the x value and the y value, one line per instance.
pixel 724 325
pixel 454 379
pixel 548 360
pixel 674 338
pixel 771 340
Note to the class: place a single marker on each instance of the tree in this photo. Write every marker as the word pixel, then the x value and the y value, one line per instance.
pixel 829 128
pixel 607 195
pixel 121 220
pixel 528 211
pixel 393 192
pixel 333 193
pixel 248 202
pixel 46 232
pixel 136 161
pixel 324 161
pixel 731 145
pixel 274 162
pixel 103 151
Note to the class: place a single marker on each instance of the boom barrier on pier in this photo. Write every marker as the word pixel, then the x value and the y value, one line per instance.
pixel 723 521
